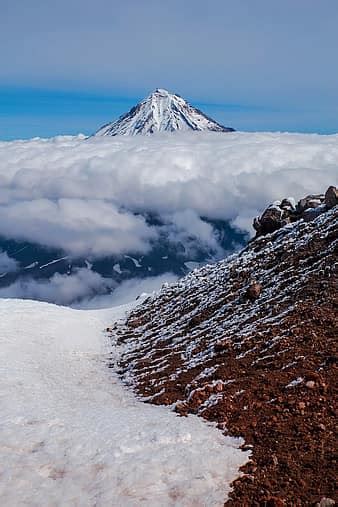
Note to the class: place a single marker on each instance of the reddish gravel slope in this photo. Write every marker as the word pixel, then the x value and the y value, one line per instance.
pixel 250 343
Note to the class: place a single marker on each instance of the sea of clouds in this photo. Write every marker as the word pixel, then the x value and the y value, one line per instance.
pixel 87 196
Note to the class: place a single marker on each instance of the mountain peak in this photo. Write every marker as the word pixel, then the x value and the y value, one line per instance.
pixel 161 91
pixel 161 111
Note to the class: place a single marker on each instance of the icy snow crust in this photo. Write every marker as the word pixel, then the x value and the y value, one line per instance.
pixel 161 112
pixel 71 434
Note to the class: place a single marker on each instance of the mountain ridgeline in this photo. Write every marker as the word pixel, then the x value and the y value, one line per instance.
pixel 161 111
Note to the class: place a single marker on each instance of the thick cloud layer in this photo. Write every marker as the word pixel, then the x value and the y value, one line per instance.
pixel 84 289
pixel 86 196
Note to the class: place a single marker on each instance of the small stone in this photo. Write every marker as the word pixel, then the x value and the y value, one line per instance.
pixel 254 291
pixel 310 384
pixel 181 406
pixel 219 387
pixel 274 460
pixel 325 502
pixel 301 405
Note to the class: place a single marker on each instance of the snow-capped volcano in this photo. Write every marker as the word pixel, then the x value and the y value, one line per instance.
pixel 161 111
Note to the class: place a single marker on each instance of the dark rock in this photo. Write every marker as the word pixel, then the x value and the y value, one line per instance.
pixel 271 220
pixel 181 407
pixel 310 201
pixel 287 220
pixel 288 204
pixel 301 405
pixel 331 197
pixel 257 225
pixel 311 213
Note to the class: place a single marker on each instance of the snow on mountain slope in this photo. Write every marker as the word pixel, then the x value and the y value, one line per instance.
pixel 71 434
pixel 161 111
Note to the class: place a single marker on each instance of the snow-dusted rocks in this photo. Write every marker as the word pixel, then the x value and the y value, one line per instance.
pixel 284 212
pixel 230 342
pixel 161 111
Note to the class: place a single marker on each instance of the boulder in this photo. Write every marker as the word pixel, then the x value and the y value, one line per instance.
pixel 288 204
pixel 312 213
pixel 310 201
pixel 331 197
pixel 271 220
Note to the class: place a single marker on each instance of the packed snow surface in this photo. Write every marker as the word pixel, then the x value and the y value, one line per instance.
pixel 161 111
pixel 72 435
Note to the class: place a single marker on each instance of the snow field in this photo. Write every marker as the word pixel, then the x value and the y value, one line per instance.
pixel 70 433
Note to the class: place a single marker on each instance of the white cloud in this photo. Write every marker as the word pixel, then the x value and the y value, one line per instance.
pixel 59 289
pixel 127 291
pixel 7 264
pixel 80 226
pixel 84 195
pixel 187 228
pixel 84 288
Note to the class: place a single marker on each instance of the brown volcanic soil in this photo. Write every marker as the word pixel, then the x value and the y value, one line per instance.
pixel 251 343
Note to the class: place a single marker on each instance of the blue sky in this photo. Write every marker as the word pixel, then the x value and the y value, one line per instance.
pixel 70 66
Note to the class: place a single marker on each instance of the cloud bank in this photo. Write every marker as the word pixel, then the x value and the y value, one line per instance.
pixel 89 196
pixel 84 289
pixel 59 289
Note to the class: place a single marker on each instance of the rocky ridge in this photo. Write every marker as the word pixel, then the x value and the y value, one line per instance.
pixel 284 212
pixel 250 343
